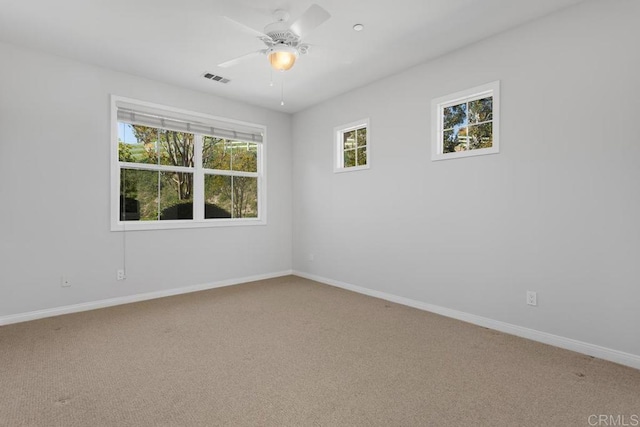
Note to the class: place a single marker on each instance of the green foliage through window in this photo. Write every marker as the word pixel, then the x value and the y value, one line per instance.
pixel 468 125
pixel 147 194
pixel 354 147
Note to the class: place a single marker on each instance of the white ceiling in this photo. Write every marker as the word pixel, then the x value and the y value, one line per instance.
pixel 177 41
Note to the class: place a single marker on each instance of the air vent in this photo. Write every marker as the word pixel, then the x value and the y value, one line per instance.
pixel 216 78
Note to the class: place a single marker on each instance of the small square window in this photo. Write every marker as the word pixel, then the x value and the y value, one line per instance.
pixel 466 123
pixel 352 146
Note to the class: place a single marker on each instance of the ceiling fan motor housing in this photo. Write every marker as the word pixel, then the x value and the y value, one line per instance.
pixel 281 33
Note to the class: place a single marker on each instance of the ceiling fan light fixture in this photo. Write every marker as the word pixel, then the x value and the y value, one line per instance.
pixel 282 57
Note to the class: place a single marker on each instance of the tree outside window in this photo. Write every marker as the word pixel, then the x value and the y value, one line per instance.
pixel 466 123
pixel 352 146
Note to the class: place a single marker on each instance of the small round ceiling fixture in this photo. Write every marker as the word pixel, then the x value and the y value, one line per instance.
pixel 358 27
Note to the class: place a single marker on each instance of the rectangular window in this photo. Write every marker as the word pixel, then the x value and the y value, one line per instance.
pixel 466 123
pixel 352 146
pixel 178 169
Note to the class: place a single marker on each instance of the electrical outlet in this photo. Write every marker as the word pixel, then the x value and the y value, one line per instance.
pixel 65 282
pixel 312 257
pixel 532 298
pixel 120 275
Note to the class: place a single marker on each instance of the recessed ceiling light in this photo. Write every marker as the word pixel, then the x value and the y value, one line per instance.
pixel 358 27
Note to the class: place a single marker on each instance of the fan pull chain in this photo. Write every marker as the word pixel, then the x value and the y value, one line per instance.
pixel 282 91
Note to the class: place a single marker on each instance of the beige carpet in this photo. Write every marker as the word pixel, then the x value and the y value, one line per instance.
pixel 292 352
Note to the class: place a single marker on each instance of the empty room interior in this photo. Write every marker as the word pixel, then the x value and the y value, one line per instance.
pixel 320 212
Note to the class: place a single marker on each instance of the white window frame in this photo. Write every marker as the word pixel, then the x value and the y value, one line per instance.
pixel 198 220
pixel 437 107
pixel 338 150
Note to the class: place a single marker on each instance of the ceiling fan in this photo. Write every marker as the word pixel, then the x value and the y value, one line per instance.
pixel 283 40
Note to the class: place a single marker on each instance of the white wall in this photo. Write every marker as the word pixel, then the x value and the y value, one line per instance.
pixel 54 192
pixel 557 211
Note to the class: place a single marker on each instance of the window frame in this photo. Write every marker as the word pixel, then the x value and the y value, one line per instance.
pixel 199 171
pixel 338 149
pixel 437 107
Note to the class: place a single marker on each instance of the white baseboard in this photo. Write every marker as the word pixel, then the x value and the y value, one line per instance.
pixel 611 355
pixel 76 308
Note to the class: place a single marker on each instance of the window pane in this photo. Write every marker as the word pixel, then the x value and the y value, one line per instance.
pixel 176 148
pixel 216 153
pixel 151 195
pixel 481 136
pixel 362 156
pixel 143 144
pixel 231 197
pixel 176 195
pixel 449 141
pixel 481 110
pixel 138 190
pixel 230 155
pixel 245 197
pixel 217 196
pixel 349 139
pixel 245 156
pixel 349 158
pixel 130 149
pixel 454 116
pixel 361 136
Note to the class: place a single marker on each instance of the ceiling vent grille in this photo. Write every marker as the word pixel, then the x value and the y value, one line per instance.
pixel 216 78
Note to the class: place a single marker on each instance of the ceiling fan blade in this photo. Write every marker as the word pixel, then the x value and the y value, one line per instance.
pixel 310 20
pixel 246 28
pixel 242 58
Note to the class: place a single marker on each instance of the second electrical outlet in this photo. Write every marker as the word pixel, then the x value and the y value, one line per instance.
pixel 532 298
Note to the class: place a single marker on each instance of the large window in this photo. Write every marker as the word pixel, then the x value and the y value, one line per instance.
pixel 173 168
pixel 352 146
pixel 466 123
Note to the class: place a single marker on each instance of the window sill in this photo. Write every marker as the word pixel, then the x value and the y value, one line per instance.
pixel 184 224
pixel 460 154
pixel 351 169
